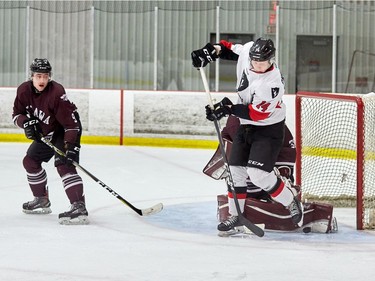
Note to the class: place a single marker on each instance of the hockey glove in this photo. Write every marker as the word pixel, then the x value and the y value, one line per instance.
pixel 72 153
pixel 224 102
pixel 32 128
pixel 202 57
pixel 220 110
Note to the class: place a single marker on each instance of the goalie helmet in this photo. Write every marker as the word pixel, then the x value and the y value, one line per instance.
pixel 40 66
pixel 262 50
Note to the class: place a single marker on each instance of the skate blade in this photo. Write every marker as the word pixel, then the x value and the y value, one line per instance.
pixel 239 230
pixel 80 220
pixel 39 211
pixel 227 233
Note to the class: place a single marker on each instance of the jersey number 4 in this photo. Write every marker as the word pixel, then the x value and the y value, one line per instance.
pixel 263 106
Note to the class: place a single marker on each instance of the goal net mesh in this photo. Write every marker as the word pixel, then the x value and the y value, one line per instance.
pixel 332 150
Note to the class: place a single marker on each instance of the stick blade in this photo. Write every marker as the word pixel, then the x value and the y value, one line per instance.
pixel 256 229
pixel 152 210
pixel 248 231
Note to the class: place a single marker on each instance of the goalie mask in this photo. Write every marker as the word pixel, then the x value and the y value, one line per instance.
pixel 262 50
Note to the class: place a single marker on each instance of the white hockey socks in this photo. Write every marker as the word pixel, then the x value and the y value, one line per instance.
pixel 283 193
pixel 232 205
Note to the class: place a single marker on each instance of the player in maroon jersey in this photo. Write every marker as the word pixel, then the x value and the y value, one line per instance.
pixel 42 108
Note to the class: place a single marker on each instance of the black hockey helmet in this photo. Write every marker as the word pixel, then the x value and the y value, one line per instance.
pixel 41 66
pixel 262 50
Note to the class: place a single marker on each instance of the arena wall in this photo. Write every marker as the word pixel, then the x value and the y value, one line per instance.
pixel 134 117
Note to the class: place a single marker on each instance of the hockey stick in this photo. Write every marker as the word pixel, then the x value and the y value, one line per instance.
pixel 252 227
pixel 142 212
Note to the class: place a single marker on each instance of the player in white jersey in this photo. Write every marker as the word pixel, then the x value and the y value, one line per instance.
pixel 259 139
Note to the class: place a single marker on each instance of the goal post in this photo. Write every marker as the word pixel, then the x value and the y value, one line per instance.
pixel 335 140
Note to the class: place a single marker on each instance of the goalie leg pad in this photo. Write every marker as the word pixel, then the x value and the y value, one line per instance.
pixel 317 216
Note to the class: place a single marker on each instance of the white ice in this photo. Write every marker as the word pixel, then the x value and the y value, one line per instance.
pixel 179 243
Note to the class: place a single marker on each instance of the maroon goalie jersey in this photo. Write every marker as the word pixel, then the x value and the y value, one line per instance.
pixel 51 107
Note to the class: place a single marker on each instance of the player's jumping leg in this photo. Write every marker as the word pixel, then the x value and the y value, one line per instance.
pixel 280 190
pixel 232 225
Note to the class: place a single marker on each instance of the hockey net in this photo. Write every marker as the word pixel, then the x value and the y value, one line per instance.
pixel 335 138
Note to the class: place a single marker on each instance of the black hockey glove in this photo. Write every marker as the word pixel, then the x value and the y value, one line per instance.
pixel 202 57
pixel 220 110
pixel 72 153
pixel 32 128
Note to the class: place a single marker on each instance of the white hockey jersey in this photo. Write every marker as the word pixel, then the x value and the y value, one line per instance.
pixel 261 92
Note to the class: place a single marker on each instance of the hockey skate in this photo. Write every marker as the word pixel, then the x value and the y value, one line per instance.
pixel 241 229
pixel 296 211
pixel 77 214
pixel 230 227
pixel 40 205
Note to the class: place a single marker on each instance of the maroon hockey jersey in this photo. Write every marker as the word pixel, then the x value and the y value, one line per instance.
pixel 51 107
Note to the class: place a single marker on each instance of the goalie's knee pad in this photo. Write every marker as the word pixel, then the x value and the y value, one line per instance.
pixel 285 171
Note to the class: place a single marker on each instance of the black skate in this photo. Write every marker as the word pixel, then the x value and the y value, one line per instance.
pixel 77 214
pixel 232 226
pixel 238 230
pixel 296 211
pixel 40 205
pixel 229 226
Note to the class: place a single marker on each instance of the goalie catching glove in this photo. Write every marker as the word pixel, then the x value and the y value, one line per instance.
pixel 202 57
pixel 220 110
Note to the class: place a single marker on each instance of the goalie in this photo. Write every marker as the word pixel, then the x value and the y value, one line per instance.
pixel 259 207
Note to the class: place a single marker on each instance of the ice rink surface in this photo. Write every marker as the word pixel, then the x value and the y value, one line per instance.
pixel 179 243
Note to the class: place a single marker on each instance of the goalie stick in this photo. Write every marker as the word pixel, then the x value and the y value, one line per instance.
pixel 142 212
pixel 242 219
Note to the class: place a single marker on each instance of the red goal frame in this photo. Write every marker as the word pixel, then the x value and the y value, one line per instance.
pixel 359 149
